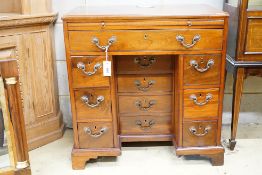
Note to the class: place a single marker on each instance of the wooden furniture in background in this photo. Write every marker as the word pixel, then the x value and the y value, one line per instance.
pixel 167 82
pixel 21 7
pixel 244 50
pixel 31 31
pixel 2 128
pixel 12 108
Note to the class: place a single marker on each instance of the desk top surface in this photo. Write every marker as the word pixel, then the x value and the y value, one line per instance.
pixel 127 12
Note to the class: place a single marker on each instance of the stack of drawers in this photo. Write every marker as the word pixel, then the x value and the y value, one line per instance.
pixel 167 79
pixel 92 102
pixel 145 94
pixel 201 100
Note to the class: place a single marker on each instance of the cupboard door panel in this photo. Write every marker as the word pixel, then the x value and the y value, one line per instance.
pixel 254 36
pixel 37 77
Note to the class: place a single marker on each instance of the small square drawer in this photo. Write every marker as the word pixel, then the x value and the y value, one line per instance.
pixel 199 133
pixel 88 72
pixel 95 135
pixel 144 83
pixel 160 124
pixel 145 104
pixel 148 64
pixel 202 69
pixel 92 104
pixel 201 103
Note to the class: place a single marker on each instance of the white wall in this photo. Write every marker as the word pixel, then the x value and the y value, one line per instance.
pixel 252 99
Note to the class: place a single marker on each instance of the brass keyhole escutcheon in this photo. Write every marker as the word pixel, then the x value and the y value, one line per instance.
pixel 145 36
pixel 144 81
pixel 103 24
pixel 189 23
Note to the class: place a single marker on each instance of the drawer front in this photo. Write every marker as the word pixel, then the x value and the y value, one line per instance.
pixel 202 69
pixel 145 125
pixel 95 135
pixel 145 104
pixel 147 83
pixel 92 104
pixel 149 40
pixel 201 103
pixel 199 133
pixel 254 36
pixel 144 64
pixel 88 72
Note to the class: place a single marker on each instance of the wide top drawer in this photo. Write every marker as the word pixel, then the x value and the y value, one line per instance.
pixel 146 40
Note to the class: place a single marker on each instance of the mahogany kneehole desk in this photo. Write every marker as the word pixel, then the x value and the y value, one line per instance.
pixel 167 83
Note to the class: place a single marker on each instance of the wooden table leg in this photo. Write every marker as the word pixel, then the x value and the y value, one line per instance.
pixel 237 94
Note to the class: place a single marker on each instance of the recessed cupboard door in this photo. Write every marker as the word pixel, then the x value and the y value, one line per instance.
pixel 39 88
pixel 254 36
pixel 37 67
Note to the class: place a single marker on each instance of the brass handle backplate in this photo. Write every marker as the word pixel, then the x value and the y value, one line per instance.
pixel 195 100
pixel 86 100
pixel 82 67
pixel 193 131
pixel 145 124
pixel 145 62
pixel 181 39
pixel 144 105
pixel 95 134
pixel 142 87
pixel 111 40
pixel 195 65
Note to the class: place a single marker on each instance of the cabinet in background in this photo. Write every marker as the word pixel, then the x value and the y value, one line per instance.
pixel 244 55
pixel 30 29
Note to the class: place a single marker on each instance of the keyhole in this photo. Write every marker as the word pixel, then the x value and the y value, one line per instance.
pixel 103 24
pixel 95 127
pixel 202 61
pixel 189 23
pixel 200 95
pixel 145 36
pixel 145 121
pixel 89 63
pixel 200 127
